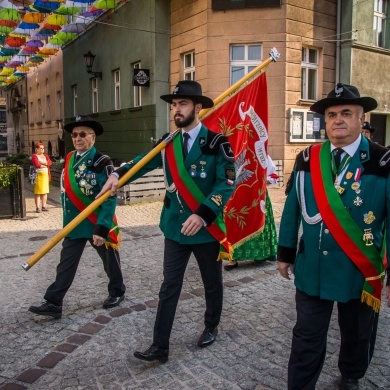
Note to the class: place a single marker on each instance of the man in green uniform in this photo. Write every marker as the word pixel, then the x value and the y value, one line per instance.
pixel 340 193
pixel 199 174
pixel 85 172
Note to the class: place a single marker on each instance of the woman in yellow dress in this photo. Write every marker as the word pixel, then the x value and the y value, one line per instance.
pixel 41 162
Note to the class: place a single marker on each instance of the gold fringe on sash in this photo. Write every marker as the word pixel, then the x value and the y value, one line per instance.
pixel 112 245
pixel 370 300
pixel 224 255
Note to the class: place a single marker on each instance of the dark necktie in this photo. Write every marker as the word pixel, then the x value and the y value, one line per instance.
pixel 186 136
pixel 337 157
pixel 77 157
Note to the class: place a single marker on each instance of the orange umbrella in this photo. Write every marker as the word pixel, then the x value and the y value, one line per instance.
pixel 33 17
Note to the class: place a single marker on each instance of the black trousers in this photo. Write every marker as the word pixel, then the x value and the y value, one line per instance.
pixel 357 328
pixel 71 253
pixel 176 258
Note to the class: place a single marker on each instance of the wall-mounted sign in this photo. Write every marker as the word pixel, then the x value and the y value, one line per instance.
pixel 141 78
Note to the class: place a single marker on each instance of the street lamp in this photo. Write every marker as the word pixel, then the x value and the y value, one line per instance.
pixel 89 59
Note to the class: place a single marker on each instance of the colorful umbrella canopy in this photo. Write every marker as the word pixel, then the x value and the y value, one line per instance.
pixel 67 10
pixel 8 23
pixel 93 12
pixel 104 4
pixel 8 51
pixel 36 59
pixel 9 14
pixel 7 4
pixel 45 6
pixel 56 20
pixel 77 28
pixel 54 27
pixel 34 43
pixel 33 17
pixel 5 29
pixel 15 41
pixel 65 36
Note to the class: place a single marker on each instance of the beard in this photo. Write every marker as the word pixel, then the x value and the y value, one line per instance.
pixel 181 121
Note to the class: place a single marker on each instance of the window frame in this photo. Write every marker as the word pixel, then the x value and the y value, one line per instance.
pixel 245 63
pixel 117 89
pixel 95 95
pixel 137 91
pixel 306 67
pixel 189 71
pixel 380 17
pixel 74 95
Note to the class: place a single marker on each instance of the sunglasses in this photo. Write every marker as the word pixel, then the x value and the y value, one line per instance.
pixel 82 134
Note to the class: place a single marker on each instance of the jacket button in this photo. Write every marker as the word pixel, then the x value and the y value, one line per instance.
pixel 326 231
pixel 325 253
pixel 181 211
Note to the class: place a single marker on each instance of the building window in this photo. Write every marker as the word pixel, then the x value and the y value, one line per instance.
pixel 58 105
pixel 39 111
pixel 217 5
pixel 95 95
pixel 3 116
pixel 379 28
pixel 117 90
pixel 74 94
pixel 48 116
pixel 243 59
pixel 309 80
pixel 137 89
pixel 31 113
pixel 189 65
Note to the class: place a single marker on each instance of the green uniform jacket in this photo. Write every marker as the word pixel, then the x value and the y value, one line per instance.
pixel 321 267
pixel 91 172
pixel 210 163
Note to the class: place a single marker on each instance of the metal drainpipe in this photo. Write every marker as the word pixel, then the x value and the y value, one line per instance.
pixel 338 44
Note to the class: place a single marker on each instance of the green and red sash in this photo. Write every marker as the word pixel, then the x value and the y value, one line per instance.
pixel 344 229
pixel 193 196
pixel 81 201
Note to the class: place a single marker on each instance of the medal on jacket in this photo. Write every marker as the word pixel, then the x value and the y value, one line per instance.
pixel 369 217
pixel 193 171
pixel 358 201
pixel 203 174
pixel 368 237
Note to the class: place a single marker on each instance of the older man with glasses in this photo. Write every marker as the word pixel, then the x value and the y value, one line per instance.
pixel 84 174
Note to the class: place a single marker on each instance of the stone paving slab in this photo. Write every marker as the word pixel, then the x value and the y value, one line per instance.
pixel 91 348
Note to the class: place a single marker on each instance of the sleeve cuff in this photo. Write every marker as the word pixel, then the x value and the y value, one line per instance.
pixel 207 215
pixel 101 231
pixel 120 172
pixel 286 255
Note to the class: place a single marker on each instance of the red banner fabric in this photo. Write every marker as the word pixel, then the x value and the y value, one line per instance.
pixel 244 120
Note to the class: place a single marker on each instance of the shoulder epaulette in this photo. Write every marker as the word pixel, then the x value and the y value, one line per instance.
pixel 302 161
pixel 379 162
pixel 217 142
pixel 102 161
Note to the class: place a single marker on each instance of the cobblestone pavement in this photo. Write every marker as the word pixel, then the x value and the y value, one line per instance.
pixel 91 348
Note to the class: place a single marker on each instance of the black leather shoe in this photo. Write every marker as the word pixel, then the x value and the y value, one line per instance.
pixel 112 301
pixel 47 309
pixel 230 266
pixel 207 337
pixel 153 353
pixel 349 384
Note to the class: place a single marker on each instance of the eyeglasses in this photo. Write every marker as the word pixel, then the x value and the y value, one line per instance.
pixel 41 148
pixel 82 134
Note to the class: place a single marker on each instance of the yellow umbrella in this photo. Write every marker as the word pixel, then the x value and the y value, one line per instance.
pixel 6 71
pixel 56 20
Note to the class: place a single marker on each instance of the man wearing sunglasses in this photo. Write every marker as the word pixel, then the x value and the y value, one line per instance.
pixel 84 174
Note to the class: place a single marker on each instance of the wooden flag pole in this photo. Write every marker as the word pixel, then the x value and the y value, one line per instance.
pixel 96 203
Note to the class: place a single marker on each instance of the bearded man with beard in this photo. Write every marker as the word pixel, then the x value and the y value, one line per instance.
pixel 199 176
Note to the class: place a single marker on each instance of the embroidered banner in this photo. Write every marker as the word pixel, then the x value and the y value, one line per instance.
pixel 244 120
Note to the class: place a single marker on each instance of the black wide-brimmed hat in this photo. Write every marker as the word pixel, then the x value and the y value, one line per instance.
pixel 83 120
pixel 189 89
pixel 344 94
pixel 367 126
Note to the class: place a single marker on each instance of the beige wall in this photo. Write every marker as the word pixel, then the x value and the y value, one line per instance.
pixel 44 125
pixel 194 26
